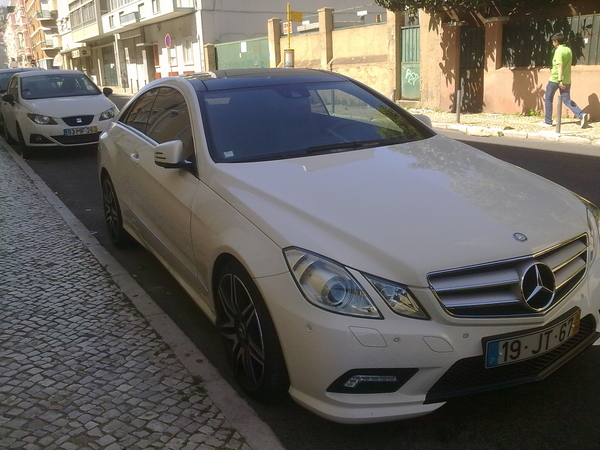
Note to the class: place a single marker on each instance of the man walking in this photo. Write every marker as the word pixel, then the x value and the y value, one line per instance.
pixel 560 78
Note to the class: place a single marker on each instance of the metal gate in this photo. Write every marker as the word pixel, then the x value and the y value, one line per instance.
pixel 243 54
pixel 410 66
pixel 472 52
pixel 109 67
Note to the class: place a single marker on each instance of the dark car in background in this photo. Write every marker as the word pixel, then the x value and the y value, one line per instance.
pixel 6 75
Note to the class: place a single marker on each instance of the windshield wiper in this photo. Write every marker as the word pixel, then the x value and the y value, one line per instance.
pixel 354 145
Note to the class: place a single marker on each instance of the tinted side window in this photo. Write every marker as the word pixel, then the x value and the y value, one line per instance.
pixel 170 119
pixel 138 113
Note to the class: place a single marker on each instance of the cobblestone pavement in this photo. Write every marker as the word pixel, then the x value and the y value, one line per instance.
pixel 80 368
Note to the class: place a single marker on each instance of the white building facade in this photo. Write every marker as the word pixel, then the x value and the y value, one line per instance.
pixel 128 43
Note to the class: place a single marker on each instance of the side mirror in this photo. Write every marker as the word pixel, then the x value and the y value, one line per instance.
pixel 423 118
pixel 107 91
pixel 169 155
pixel 8 98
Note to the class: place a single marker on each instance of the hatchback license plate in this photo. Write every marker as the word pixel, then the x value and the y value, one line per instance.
pixel 78 131
pixel 530 345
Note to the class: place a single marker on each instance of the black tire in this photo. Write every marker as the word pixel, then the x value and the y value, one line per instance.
pixel 26 151
pixel 7 136
pixel 112 215
pixel 249 335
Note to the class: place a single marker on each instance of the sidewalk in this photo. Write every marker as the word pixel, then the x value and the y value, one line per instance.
pixel 87 361
pixel 513 125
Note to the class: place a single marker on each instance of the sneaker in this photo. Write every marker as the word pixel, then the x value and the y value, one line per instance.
pixel 585 118
pixel 544 124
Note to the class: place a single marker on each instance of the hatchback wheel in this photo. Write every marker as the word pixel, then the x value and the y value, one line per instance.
pixel 112 215
pixel 5 133
pixel 249 335
pixel 26 151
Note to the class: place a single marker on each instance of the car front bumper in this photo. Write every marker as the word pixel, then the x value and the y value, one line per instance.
pixel 36 135
pixel 433 360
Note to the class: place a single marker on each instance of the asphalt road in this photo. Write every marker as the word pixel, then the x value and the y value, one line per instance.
pixel 560 412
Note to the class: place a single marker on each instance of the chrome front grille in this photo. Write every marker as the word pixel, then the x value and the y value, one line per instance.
pixel 494 289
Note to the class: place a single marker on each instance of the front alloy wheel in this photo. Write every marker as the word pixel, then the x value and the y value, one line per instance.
pixel 5 132
pixel 112 215
pixel 249 335
pixel 26 151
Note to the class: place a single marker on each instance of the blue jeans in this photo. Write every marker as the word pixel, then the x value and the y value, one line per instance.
pixel 566 98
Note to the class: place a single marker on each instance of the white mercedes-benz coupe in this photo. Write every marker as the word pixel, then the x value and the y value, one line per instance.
pixel 348 254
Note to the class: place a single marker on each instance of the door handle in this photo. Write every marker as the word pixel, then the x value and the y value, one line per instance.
pixel 135 158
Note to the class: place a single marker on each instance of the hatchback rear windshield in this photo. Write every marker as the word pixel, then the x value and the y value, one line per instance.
pixel 296 120
pixel 57 85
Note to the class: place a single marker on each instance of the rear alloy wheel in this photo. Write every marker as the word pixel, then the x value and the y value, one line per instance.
pixel 112 215
pixel 249 335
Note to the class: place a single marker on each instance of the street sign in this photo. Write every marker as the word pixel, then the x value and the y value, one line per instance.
pixel 168 41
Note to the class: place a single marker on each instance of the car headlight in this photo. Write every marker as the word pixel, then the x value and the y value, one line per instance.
pixel 329 285
pixel 108 114
pixel 41 119
pixel 593 218
pixel 398 298
pixel 594 224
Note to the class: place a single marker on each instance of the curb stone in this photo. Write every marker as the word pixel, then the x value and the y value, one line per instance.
pixel 480 131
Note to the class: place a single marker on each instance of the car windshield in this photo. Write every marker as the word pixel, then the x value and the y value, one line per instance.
pixel 57 85
pixel 288 121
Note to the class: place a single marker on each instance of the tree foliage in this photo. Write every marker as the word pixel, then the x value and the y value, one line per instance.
pixel 486 8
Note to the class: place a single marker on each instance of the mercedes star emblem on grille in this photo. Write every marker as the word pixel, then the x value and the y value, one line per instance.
pixel 538 286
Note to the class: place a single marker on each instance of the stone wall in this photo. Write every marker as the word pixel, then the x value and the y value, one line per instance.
pixel 366 53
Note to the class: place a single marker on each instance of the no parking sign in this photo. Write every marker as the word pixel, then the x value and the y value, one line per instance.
pixel 168 41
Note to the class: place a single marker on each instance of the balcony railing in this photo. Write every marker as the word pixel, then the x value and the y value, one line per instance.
pixel 44 14
pixel 129 18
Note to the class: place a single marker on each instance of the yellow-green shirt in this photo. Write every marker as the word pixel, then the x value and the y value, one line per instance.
pixel 563 55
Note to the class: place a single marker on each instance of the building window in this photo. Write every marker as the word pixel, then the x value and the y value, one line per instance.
pixel 188 51
pixel 81 14
pixel 111 21
pixel 116 4
pixel 155 6
pixel 141 11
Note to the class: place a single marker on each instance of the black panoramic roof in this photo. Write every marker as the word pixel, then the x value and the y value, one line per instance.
pixel 241 78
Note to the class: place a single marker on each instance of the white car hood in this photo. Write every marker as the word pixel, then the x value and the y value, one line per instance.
pixel 70 106
pixel 402 211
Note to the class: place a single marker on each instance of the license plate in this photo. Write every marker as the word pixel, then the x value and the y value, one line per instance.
pixel 530 345
pixel 78 131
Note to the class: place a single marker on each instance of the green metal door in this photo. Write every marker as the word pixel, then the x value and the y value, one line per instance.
pixel 243 54
pixel 110 67
pixel 410 67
